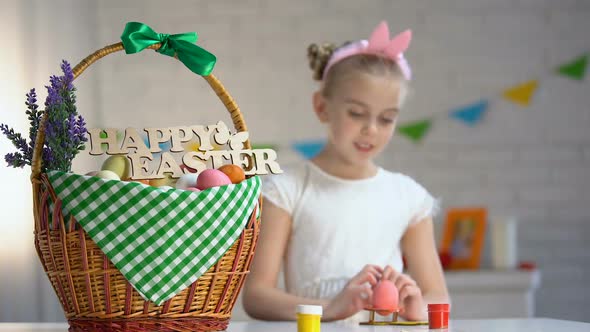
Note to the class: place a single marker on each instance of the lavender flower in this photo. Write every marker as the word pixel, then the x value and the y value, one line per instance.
pixel 77 130
pixel 47 156
pixel 68 75
pixel 17 159
pixel 34 119
pixel 14 160
pixel 53 95
pixel 65 130
pixel 16 138
pixel 65 134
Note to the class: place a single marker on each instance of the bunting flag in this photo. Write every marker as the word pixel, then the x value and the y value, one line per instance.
pixel 191 146
pixel 103 134
pixel 309 149
pixel 164 146
pixel 471 114
pixel 576 69
pixel 522 94
pixel 265 146
pixel 416 130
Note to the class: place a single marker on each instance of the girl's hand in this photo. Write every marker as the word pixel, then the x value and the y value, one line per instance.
pixel 356 295
pixel 411 302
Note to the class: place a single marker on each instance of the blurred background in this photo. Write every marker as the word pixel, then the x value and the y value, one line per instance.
pixel 498 117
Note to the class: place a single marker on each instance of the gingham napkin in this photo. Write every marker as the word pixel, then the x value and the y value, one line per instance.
pixel 160 240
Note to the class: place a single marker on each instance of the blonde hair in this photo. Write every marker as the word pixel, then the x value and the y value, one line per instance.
pixel 372 64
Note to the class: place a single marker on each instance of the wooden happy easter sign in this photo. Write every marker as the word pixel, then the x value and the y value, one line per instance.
pixel 140 152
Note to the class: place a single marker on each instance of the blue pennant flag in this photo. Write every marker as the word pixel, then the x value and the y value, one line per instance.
pixel 309 149
pixel 471 114
pixel 164 146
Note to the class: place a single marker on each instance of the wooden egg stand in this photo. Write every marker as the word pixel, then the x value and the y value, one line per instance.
pixel 386 302
pixel 393 322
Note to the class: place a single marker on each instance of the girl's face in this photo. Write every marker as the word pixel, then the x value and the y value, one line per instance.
pixel 361 116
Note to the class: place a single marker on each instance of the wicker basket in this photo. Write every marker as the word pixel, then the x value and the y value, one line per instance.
pixel 94 294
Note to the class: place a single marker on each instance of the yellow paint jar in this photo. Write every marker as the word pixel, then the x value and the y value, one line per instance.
pixel 309 318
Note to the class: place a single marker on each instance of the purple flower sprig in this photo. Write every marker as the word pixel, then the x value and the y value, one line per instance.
pixel 16 159
pixel 35 116
pixel 25 149
pixel 65 130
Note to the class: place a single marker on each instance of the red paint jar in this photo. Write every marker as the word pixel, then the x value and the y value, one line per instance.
pixel 438 316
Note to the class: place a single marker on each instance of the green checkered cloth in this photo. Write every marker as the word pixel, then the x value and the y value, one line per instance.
pixel 160 240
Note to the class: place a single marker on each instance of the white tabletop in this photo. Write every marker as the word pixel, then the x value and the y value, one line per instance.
pixel 492 325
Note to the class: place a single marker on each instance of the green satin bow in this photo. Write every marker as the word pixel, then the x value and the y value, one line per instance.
pixel 138 36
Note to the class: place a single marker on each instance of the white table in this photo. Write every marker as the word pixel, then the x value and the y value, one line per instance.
pixel 492 325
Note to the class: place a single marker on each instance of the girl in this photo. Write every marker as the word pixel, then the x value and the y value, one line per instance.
pixel 340 222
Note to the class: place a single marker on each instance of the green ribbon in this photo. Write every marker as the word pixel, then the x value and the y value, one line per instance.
pixel 138 36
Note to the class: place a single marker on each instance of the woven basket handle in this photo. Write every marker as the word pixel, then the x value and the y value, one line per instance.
pixel 228 102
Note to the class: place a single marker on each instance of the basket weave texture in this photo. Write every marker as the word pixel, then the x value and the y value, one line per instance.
pixel 94 294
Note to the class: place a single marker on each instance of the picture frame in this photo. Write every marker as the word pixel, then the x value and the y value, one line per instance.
pixel 464 233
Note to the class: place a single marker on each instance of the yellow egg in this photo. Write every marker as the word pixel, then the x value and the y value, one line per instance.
pixel 118 164
pixel 108 175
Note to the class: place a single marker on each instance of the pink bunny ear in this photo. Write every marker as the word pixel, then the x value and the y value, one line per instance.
pixel 398 44
pixel 379 44
pixel 379 38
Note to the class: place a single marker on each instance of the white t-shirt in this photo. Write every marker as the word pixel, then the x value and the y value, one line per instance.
pixel 340 225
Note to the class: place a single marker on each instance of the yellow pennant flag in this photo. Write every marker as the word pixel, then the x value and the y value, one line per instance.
pixel 522 94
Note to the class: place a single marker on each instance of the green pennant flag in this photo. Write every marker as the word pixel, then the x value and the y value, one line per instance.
pixel 265 146
pixel 416 130
pixel 105 146
pixel 576 69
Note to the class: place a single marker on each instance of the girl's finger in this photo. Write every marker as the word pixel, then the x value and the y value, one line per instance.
pixel 389 273
pixel 369 300
pixel 374 269
pixel 366 293
pixel 408 291
pixel 359 280
pixel 404 280
pixel 367 270
pixel 363 298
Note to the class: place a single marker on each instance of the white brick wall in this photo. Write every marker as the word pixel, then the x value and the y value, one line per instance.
pixel 528 162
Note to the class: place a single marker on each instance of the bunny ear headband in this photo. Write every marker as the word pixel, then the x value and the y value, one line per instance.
pixel 379 44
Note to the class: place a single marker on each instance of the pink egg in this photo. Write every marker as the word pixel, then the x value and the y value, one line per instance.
pixel 385 297
pixel 192 189
pixel 212 178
